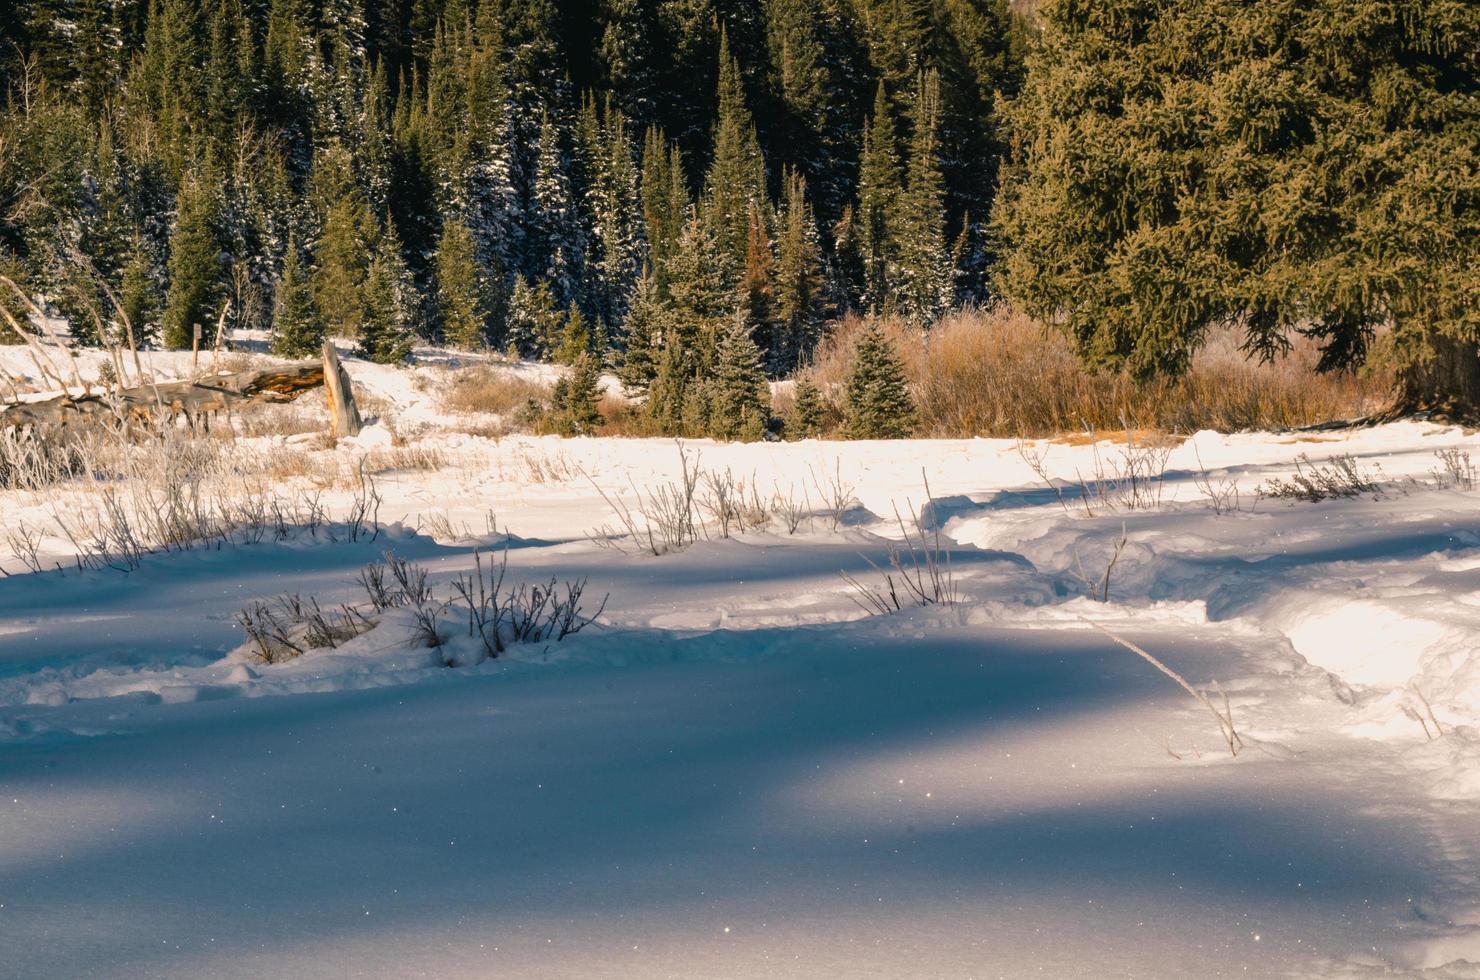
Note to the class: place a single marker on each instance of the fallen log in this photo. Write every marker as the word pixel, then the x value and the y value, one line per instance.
pixel 170 399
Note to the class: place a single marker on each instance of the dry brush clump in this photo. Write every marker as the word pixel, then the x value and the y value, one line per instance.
pixel 708 504
pixel 1341 477
pixel 998 373
pixel 498 615
pixel 116 493
pixel 485 390
pixel 919 573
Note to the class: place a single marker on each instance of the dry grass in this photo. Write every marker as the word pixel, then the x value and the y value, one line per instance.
pixel 998 373
pixel 486 391
pixel 414 459
pixel 306 415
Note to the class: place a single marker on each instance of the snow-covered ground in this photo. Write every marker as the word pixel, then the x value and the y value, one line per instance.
pixel 739 772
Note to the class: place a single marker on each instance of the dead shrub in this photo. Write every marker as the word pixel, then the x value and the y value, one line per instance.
pixel 483 390
pixel 998 373
pixel 257 420
pixel 416 459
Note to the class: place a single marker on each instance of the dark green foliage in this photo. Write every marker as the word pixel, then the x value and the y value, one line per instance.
pixel 923 285
pixel 575 403
pixel 462 289
pixel 575 339
pixel 140 291
pixel 800 301
pixel 195 267
pixel 644 326
pixel 177 145
pixel 740 401
pixel 297 329
pixel 535 327
pixel 735 188
pixel 808 410
pixel 876 395
pixel 12 307
pixel 880 182
pixel 342 255
pixel 386 334
pixel 1285 167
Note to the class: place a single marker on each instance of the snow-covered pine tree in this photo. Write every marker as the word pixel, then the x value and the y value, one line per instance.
pixel 665 201
pixel 736 182
pixel 877 403
pixel 297 329
pixel 924 288
pixel 535 324
pixel 556 250
pixel 879 184
pixel 740 404
pixel 616 250
pixel 639 362
pixel 340 90
pixel 374 140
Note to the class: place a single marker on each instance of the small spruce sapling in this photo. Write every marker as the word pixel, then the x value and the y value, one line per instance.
pixel 877 402
pixel 807 412
pixel 575 403
pixel 575 340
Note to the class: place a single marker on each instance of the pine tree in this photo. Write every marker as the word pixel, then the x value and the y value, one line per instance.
pixel 819 72
pixel 880 182
pixel 701 302
pixel 757 284
pixel 1327 192
pixel 807 411
pixel 740 404
pixel 639 363
pixel 877 402
pixel 535 323
pixel 462 289
pixel 342 253
pixel 576 400
pixel 575 340
pixel 617 243
pixel 556 251
pixel 665 201
pixel 194 265
pixel 140 289
pixel 297 329
pixel 925 280
pixel 736 182
pixel 386 336
pixel 799 286
pixel 667 394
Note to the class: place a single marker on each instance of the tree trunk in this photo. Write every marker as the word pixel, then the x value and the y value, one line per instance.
pixel 1445 387
pixel 169 398
pixel 342 407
